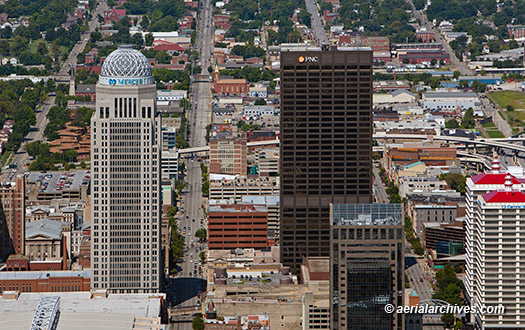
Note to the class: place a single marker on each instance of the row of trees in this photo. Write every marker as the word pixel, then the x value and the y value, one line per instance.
pixel 205 180
pixel 17 101
pixel 45 15
pixel 46 160
pixel 412 238
pixel 251 74
pixel 387 18
pixel 177 240
pixel 158 15
pixel 248 51
pixel 449 288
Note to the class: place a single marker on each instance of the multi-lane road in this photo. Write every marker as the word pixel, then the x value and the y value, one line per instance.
pixel 37 131
pixel 198 116
pixel 317 24
pixel 71 61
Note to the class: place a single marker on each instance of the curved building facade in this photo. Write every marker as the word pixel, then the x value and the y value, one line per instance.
pixel 125 148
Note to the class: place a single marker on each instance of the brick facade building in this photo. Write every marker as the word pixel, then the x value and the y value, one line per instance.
pixel 237 226
pixel 12 218
pixel 228 154
pixel 45 281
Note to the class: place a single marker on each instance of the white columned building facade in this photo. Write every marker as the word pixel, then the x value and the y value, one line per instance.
pixel 125 148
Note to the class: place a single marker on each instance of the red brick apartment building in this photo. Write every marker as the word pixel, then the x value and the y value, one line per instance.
pixel 12 218
pixel 237 226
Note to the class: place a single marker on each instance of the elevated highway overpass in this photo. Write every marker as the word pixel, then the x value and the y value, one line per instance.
pixel 495 143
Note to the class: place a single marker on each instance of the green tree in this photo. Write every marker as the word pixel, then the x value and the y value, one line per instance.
pixel 202 256
pixel 171 211
pixel 180 185
pixel 83 164
pixel 198 322
pixel 510 108
pixel 19 45
pixel 162 57
pixel 468 121
pixel 452 123
pixel 4 47
pixel 260 102
pixel 457 74
pixel 433 61
pixel 447 319
pixel 149 39
pixel 455 181
pixel 478 86
pixel 202 234
pixel 55 50
pixel 70 155
pixel 42 48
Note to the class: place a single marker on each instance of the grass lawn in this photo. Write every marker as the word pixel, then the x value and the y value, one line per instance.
pixel 505 98
pixel 516 118
pixel 495 134
pixel 489 124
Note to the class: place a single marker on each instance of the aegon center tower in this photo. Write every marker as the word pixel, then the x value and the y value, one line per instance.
pixel 326 143
pixel 125 148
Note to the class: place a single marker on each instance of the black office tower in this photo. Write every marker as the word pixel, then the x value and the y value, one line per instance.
pixel 326 143
pixel 367 266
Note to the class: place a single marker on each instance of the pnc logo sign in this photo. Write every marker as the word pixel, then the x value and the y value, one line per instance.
pixel 308 59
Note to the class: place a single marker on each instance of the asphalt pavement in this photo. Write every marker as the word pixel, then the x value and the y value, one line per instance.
pixel 460 66
pixel 198 116
pixel 317 24
pixel 21 158
pixel 380 191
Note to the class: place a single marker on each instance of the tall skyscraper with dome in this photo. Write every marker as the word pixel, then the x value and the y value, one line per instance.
pixel 125 149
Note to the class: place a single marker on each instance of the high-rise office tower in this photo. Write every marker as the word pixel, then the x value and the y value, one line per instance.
pixel 126 143
pixel 326 143
pixel 494 263
pixel 12 217
pixel 495 205
pixel 367 266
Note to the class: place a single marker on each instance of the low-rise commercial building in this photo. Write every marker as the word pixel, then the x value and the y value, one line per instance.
pixel 249 289
pixel 170 164
pixel 450 100
pixel 171 95
pixel 238 187
pixel 438 233
pixel 45 281
pixel 422 214
pixel 267 161
pixel 83 310
pixel 408 184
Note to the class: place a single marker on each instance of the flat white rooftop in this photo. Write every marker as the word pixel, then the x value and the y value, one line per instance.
pixel 81 312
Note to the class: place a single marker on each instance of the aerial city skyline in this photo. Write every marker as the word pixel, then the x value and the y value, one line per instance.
pixel 242 164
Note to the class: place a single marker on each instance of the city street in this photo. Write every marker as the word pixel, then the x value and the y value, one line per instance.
pixel 317 25
pixel 37 131
pixel 380 192
pixel 71 61
pixel 198 116
pixel 460 66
